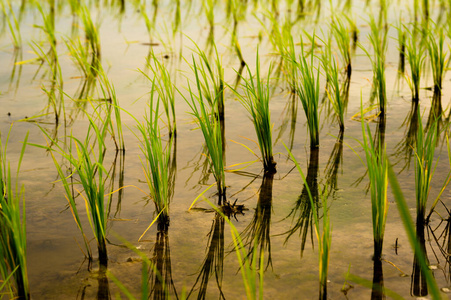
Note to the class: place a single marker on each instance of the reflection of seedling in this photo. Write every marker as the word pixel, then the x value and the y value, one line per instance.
pixel 410 230
pixel 324 235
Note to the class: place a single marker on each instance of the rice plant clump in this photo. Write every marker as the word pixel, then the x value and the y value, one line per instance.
pixel 307 89
pixel 208 120
pixel 86 170
pixel 256 101
pixel 378 39
pixel 377 166
pixel 13 243
pixel 156 162
pixel 415 54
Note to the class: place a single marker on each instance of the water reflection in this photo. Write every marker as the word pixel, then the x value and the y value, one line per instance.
pixel 418 285
pixel 257 235
pixel 103 290
pixel 302 213
pixel 404 149
pixel 199 164
pixel 117 170
pixel 334 163
pixel 377 291
pixel 16 72
pixel 439 236
pixel 289 120
pixel 161 282
pixel 213 262
pixel 435 114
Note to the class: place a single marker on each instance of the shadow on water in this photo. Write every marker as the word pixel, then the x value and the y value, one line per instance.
pixel 257 235
pixel 213 262
pixel 302 213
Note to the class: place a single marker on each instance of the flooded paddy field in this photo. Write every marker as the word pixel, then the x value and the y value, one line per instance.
pixel 225 149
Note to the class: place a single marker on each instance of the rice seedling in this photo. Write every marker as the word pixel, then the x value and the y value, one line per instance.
pixel 418 285
pixel 109 94
pixel 343 39
pixel 211 80
pixel 334 90
pixel 424 154
pixel 437 56
pixel 445 184
pixel 307 88
pixel 88 63
pixel 378 39
pixel 156 162
pixel 207 117
pixel 410 230
pixel 425 169
pixel 415 56
pixel 402 48
pixel 165 90
pixel 324 233
pixel 88 171
pixel 13 243
pixel 256 102
pixel 376 162
pixel 425 6
pixel 280 36
pixel 13 23
pixel 55 91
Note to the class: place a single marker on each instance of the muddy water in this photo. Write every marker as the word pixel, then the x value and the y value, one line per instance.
pixel 57 268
